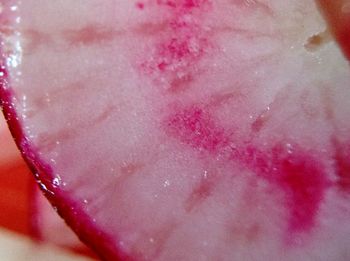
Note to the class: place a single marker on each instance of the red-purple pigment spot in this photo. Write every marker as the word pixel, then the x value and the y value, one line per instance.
pixel 195 128
pixel 183 4
pixel 295 172
pixel 140 5
pixel 175 55
pixel 304 182
pixel 180 46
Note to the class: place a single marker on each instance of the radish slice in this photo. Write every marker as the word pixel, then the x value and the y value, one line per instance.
pixel 184 130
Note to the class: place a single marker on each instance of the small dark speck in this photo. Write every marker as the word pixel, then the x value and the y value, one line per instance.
pixel 316 41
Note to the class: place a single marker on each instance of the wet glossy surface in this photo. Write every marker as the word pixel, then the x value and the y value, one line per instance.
pixel 158 124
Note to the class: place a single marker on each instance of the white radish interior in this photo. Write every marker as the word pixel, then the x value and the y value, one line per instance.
pixel 96 120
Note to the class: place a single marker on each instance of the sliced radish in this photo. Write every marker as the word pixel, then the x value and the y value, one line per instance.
pixel 185 130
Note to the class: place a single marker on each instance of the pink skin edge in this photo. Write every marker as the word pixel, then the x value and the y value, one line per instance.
pixel 71 212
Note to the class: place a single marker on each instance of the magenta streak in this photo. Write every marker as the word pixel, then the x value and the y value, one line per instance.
pixel 181 45
pixel 178 52
pixel 194 128
pixel 183 4
pixel 297 173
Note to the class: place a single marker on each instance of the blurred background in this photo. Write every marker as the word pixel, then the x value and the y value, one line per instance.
pixel 30 229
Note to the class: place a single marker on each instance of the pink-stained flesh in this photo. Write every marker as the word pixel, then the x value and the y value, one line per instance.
pixel 185 129
pixel 297 173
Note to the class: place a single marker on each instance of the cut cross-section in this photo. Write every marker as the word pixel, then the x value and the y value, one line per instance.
pixel 185 130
